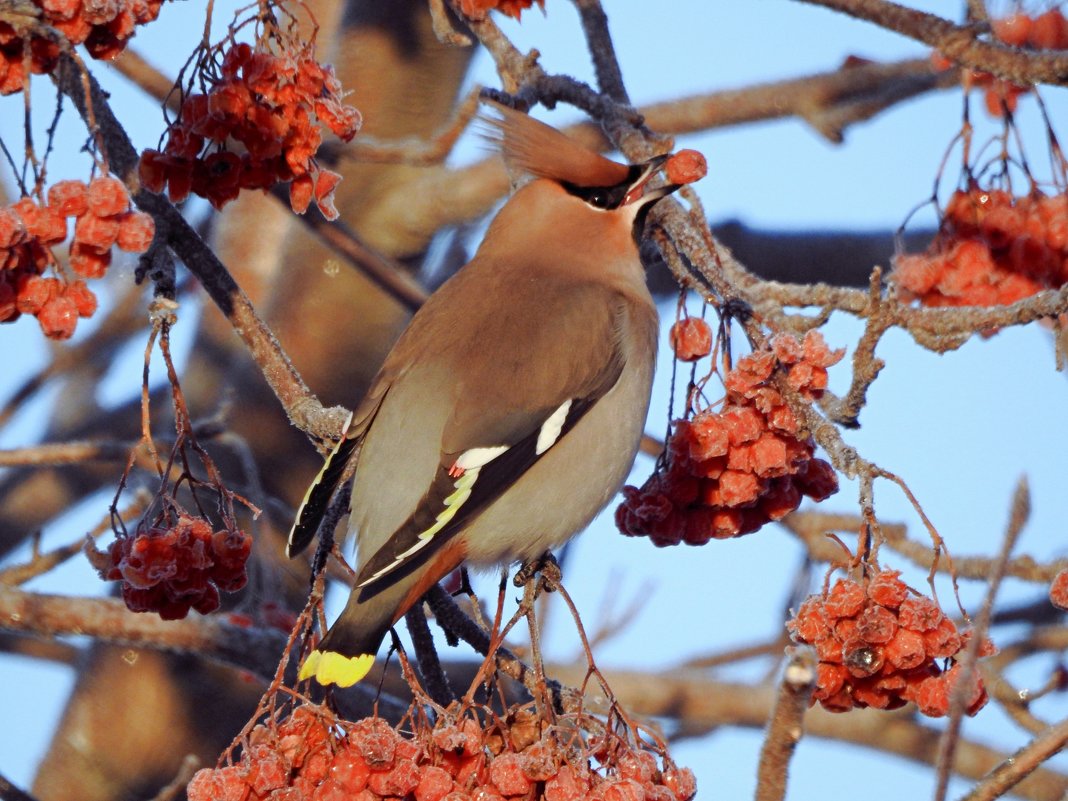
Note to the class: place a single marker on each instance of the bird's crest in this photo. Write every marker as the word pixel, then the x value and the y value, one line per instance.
pixel 542 151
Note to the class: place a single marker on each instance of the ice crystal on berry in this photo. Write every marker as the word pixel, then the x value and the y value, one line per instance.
pixel 992 248
pixel 878 644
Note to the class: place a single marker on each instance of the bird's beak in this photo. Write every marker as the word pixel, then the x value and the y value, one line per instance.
pixel 637 192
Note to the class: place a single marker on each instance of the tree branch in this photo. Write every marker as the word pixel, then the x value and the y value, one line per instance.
pixel 301 405
pixel 958 43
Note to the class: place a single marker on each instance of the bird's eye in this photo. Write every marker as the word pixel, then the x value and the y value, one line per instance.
pixel 598 199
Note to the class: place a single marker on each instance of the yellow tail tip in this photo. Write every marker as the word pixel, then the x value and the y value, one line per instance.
pixel 330 667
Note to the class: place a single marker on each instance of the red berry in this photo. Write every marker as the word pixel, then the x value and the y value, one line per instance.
pixel 83 297
pixel 107 196
pixel 58 317
pixel 691 339
pixel 69 198
pixel 1058 590
pixel 136 232
pixel 685 167
pixel 96 232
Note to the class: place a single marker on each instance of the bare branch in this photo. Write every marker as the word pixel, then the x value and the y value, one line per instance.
pixel 947 746
pixel 1022 764
pixel 787 723
pixel 961 44
pixel 300 404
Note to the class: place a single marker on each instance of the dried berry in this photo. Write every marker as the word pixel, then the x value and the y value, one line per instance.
pixel 170 569
pixel 878 654
pixel 685 167
pixel 273 104
pixel 729 472
pixel 691 339
pixel 992 248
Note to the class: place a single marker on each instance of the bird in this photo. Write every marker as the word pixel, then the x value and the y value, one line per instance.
pixel 510 409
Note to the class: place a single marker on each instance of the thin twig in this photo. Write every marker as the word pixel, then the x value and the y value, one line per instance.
pixel 1020 512
pixel 300 404
pixel 787 723
pixel 1022 764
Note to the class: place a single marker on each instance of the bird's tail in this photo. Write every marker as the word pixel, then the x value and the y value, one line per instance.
pixel 347 651
pixel 344 656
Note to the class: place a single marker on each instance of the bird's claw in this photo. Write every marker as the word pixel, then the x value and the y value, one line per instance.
pixel 545 568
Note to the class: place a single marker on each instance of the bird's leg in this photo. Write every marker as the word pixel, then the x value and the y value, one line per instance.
pixel 545 565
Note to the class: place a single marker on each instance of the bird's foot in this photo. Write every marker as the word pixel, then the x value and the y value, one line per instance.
pixel 545 567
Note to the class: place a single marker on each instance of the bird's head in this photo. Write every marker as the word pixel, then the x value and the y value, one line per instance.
pixel 604 185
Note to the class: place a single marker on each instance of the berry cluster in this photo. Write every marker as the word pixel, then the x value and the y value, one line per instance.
pixel 1048 31
pixel 479 9
pixel 691 339
pixel 992 248
pixel 104 28
pixel 312 755
pixel 272 105
pixel 29 230
pixel 878 644
pixel 729 472
pixel 685 167
pixel 172 569
pixel 1058 590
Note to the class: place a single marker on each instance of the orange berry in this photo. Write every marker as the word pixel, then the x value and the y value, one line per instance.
pixel 887 589
pixel 69 198
pixel 58 318
pixel 33 292
pixel 136 232
pixel 107 196
pixel 84 298
pixel 685 167
pixel 845 599
pixel 1058 590
pixel 87 261
pixel 325 183
pixel 1049 31
pixel 691 339
pixel 1013 30
pixel 97 232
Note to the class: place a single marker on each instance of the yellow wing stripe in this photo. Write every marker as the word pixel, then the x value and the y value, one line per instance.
pixel 453 503
pixel 330 667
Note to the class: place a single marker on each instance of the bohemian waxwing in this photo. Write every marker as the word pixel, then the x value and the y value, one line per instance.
pixel 510 410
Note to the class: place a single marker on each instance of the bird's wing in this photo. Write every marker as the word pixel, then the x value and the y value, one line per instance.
pixel 484 454
pixel 316 500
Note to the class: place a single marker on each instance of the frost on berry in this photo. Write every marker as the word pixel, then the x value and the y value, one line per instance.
pixel 103 27
pixel 691 339
pixel 310 753
pixel 273 101
pixel 170 569
pixel 991 249
pixel 880 645
pixel 729 472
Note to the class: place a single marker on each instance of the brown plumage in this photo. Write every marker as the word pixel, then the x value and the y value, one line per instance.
pixel 510 409
pixel 541 150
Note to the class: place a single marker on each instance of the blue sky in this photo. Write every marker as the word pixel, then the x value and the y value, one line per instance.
pixel 960 428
